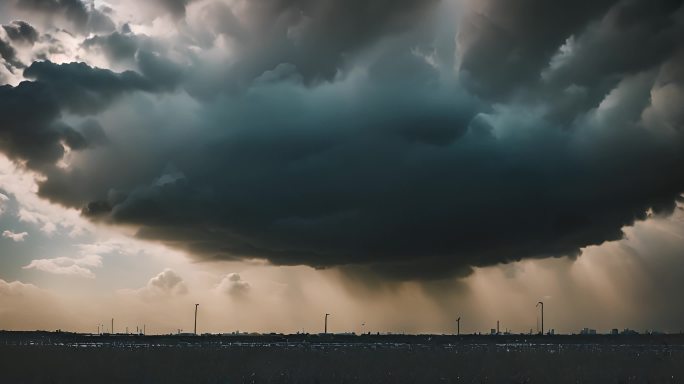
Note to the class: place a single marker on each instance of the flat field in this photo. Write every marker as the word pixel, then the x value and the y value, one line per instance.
pixel 74 358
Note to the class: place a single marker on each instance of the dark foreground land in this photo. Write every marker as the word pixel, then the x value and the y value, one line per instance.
pixel 35 357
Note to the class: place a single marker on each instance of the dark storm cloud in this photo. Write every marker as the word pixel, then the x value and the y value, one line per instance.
pixel 81 89
pixel 162 72
pixel 415 183
pixel 378 188
pixel 606 47
pixel 74 10
pixel 316 37
pixel 148 54
pixel 82 18
pixel 29 112
pixel 368 195
pixel 21 32
pixel 175 7
pixel 9 55
pixel 604 53
pixel 506 44
pixel 99 20
pixel 393 168
pixel 116 46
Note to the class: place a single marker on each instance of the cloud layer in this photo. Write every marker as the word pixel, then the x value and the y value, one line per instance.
pixel 415 139
pixel 79 266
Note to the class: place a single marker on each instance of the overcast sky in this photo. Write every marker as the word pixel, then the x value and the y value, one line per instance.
pixel 393 163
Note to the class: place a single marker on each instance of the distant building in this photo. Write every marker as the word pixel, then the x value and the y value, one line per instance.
pixel 614 331
pixel 588 331
pixel 628 331
pixel 492 331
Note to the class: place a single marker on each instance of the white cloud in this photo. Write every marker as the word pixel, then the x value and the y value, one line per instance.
pixel 232 284
pixel 166 284
pixel 81 266
pixel 49 218
pixel 15 236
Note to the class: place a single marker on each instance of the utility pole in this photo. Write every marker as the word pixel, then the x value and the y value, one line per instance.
pixel 112 325
pixel 458 326
pixel 326 324
pixel 497 327
pixel 196 305
pixel 542 316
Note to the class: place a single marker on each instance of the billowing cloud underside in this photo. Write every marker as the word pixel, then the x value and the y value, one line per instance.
pixel 414 138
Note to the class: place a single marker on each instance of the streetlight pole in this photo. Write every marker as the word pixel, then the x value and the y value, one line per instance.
pixel 196 305
pixel 458 326
pixel 542 316
pixel 325 330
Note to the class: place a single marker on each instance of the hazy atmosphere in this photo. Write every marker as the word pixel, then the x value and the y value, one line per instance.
pixel 396 164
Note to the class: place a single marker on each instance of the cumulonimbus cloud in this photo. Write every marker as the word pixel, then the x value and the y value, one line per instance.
pixel 417 146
